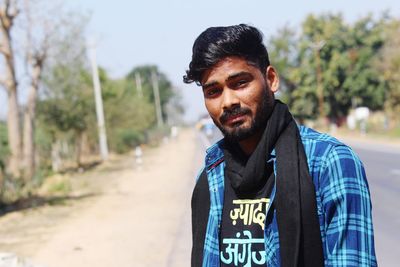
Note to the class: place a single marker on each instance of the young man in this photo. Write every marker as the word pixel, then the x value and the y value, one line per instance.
pixel 271 193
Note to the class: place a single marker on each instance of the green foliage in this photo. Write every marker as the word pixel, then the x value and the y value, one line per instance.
pixel 164 84
pixel 126 139
pixel 341 55
pixel 125 112
pixel 66 104
pixel 388 63
pixel 4 151
pixel 68 108
pixel 282 50
pixel 60 187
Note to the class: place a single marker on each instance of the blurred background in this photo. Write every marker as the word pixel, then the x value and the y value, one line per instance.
pixel 100 140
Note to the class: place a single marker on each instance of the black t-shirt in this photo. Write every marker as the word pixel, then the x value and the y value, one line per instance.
pixel 243 224
pixel 200 213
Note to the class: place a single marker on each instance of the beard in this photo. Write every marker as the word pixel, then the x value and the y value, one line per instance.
pixel 258 121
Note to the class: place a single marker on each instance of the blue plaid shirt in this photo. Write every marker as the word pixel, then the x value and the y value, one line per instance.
pixel 343 204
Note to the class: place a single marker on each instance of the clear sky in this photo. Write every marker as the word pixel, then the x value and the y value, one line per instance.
pixel 132 33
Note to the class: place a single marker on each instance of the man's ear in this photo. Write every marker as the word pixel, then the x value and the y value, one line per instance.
pixel 272 79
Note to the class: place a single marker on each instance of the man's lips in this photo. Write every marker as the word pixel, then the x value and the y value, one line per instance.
pixel 235 118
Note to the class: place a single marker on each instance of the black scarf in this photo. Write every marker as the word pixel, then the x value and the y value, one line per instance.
pixel 295 201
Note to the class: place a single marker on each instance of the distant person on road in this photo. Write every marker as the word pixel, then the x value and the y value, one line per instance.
pixel 272 193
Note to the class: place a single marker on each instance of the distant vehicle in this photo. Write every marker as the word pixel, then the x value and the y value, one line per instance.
pixel 209 130
pixel 207 126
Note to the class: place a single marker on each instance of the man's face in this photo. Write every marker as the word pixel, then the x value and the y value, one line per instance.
pixel 239 97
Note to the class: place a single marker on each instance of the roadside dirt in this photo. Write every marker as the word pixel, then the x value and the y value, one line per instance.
pixel 122 215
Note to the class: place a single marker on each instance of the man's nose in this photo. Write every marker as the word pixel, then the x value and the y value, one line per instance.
pixel 230 99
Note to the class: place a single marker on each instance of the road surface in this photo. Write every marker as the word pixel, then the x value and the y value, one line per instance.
pixel 382 165
pixel 140 217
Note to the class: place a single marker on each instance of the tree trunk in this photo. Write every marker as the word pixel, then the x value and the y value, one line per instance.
pixel 29 124
pixel 1 181
pixel 8 12
pixel 14 134
pixel 55 156
pixel 78 149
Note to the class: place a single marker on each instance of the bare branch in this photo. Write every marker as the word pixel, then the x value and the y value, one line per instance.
pixel 8 12
pixel 3 50
pixel 12 10
pixel 3 83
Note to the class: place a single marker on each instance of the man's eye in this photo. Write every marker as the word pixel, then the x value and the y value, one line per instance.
pixel 212 92
pixel 241 83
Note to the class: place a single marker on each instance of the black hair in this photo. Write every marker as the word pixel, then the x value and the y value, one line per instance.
pixel 217 43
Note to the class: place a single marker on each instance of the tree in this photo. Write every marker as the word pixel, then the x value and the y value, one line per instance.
pixel 128 116
pixel 323 65
pixel 329 68
pixel 388 64
pixel 166 91
pixel 9 10
pixel 37 28
pixel 67 111
pixel 282 49
pixel 66 106
pixel 363 81
pixel 37 50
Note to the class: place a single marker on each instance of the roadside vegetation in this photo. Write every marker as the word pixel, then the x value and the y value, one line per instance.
pixel 328 68
pixel 52 130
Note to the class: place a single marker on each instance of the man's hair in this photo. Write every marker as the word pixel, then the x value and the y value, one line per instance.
pixel 217 43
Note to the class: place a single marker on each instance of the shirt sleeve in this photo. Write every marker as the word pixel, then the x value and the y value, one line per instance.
pixel 349 237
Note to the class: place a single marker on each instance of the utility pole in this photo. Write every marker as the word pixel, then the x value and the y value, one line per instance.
pixel 320 90
pixel 138 81
pixel 99 104
pixel 157 102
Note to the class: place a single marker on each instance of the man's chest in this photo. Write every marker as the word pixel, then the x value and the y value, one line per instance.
pixel 242 227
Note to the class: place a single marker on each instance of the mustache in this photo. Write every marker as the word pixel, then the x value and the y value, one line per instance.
pixel 236 111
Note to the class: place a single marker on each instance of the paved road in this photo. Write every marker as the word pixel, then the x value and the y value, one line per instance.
pixel 139 216
pixel 382 164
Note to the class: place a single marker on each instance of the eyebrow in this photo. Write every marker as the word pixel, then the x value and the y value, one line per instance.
pixel 208 85
pixel 230 77
pixel 235 75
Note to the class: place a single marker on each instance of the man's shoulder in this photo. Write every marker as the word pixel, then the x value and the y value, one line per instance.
pixel 214 153
pixel 323 150
pixel 316 142
pixel 321 146
pixel 311 136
